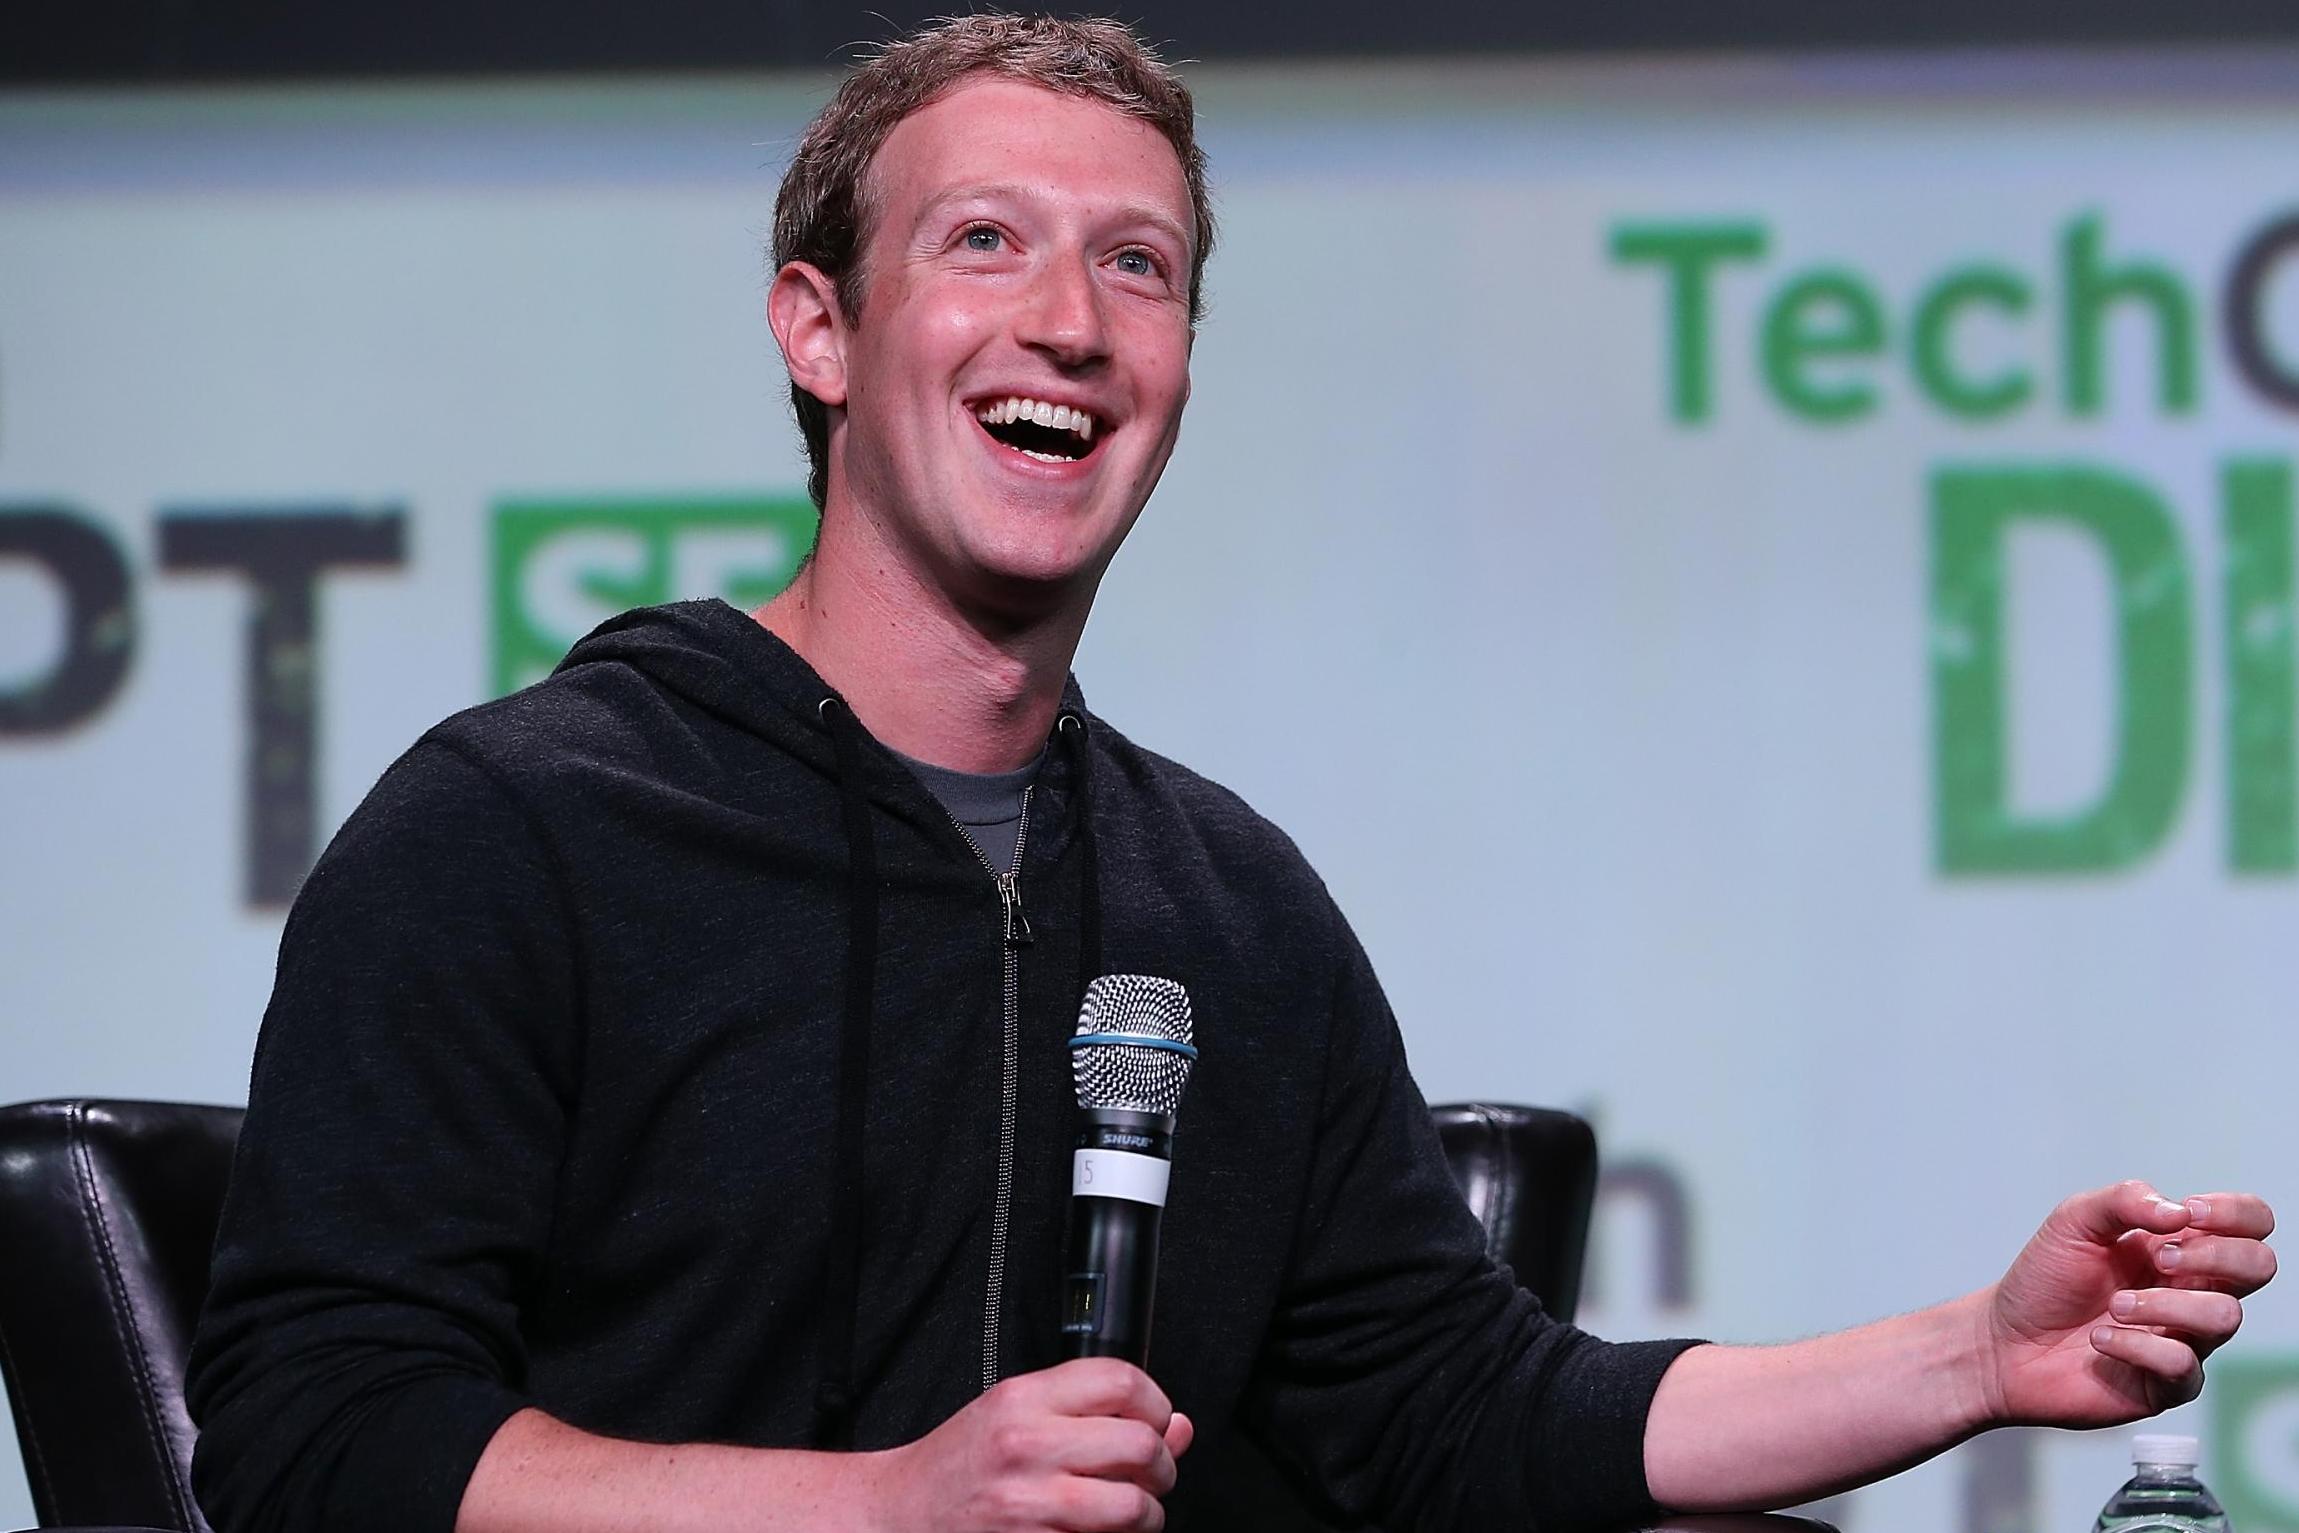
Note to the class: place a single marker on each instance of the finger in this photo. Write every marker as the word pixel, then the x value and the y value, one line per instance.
pixel 1180 1432
pixel 1107 1506
pixel 2107 1213
pixel 2203 1319
pixel 2164 1358
pixel 2231 1213
pixel 2225 1262
pixel 1105 1386
pixel 1116 1448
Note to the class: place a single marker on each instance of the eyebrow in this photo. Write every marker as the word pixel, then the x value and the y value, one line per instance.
pixel 992 191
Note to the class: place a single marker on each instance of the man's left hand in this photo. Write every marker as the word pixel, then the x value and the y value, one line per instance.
pixel 2108 1314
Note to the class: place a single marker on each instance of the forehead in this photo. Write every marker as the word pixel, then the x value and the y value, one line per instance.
pixel 990 130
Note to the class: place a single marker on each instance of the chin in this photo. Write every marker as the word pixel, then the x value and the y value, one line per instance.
pixel 1038 549
pixel 1025 590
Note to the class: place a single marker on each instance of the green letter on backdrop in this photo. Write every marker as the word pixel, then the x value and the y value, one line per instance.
pixel 2093 290
pixel 1973 510
pixel 1818 316
pixel 2262 765
pixel 1688 251
pixel 1936 313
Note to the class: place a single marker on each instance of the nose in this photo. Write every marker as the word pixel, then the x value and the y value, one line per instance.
pixel 1064 317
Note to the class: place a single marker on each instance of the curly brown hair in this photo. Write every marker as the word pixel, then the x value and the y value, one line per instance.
pixel 822 214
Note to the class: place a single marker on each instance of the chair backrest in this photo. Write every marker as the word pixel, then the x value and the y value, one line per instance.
pixel 107 1216
pixel 1530 1177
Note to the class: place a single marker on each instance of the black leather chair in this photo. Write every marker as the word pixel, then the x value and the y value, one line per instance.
pixel 1530 1176
pixel 108 1211
pixel 107 1214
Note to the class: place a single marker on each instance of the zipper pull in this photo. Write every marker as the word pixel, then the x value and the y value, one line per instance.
pixel 1017 921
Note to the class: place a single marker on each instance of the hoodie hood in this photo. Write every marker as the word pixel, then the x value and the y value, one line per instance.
pixel 725 661
pixel 722 660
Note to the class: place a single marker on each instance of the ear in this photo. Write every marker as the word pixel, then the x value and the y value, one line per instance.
pixel 802 310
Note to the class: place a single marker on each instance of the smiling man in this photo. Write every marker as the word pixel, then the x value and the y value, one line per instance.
pixel 661 1120
pixel 992 381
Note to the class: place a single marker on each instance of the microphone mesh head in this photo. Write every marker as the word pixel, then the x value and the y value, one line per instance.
pixel 1139 1077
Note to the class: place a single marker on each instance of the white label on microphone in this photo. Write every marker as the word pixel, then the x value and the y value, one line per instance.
pixel 1119 1174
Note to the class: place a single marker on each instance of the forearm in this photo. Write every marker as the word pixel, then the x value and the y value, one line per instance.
pixel 540 1475
pixel 1744 1428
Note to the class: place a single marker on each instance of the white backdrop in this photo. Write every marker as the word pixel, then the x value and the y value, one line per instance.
pixel 1614 730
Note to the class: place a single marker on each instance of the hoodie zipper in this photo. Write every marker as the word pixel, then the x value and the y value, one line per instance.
pixel 1013 936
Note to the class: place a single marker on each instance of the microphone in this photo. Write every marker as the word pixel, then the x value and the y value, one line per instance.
pixel 1131 1058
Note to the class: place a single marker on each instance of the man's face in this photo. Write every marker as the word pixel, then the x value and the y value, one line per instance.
pixel 1024 247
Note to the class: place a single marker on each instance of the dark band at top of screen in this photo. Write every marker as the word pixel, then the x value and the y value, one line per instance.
pixel 53 42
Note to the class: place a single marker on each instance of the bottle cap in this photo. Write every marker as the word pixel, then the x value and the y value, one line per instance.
pixel 2165 1448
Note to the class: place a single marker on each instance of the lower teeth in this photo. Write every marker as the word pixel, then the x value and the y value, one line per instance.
pixel 1044 457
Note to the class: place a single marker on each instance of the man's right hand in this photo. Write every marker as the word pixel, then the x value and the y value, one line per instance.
pixel 1085 1447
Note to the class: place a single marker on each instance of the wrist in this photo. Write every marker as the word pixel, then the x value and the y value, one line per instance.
pixel 1976 1402
pixel 873 1490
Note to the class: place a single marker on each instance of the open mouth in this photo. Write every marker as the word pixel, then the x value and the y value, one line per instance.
pixel 1047 432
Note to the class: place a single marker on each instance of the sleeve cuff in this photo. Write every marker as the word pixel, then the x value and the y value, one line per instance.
pixel 412 1459
pixel 1595 1422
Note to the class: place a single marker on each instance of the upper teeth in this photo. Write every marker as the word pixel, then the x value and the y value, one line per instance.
pixel 1059 417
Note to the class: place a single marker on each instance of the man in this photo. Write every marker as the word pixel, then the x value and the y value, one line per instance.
pixel 660 1117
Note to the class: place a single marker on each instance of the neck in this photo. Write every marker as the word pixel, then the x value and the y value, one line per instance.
pixel 973 692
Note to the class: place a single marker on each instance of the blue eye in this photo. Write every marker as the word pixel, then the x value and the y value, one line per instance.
pixel 1137 263
pixel 983 237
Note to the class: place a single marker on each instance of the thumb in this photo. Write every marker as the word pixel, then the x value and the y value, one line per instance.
pixel 2104 1216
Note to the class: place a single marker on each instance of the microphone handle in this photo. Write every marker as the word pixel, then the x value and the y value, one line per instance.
pixel 1110 1257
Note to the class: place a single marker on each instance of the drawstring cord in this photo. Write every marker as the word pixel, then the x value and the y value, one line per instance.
pixel 1072 728
pixel 841 1276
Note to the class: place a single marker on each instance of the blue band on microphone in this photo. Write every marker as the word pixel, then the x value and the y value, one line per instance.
pixel 1136 1040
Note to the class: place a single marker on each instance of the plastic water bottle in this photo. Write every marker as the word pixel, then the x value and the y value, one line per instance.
pixel 2163 1495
